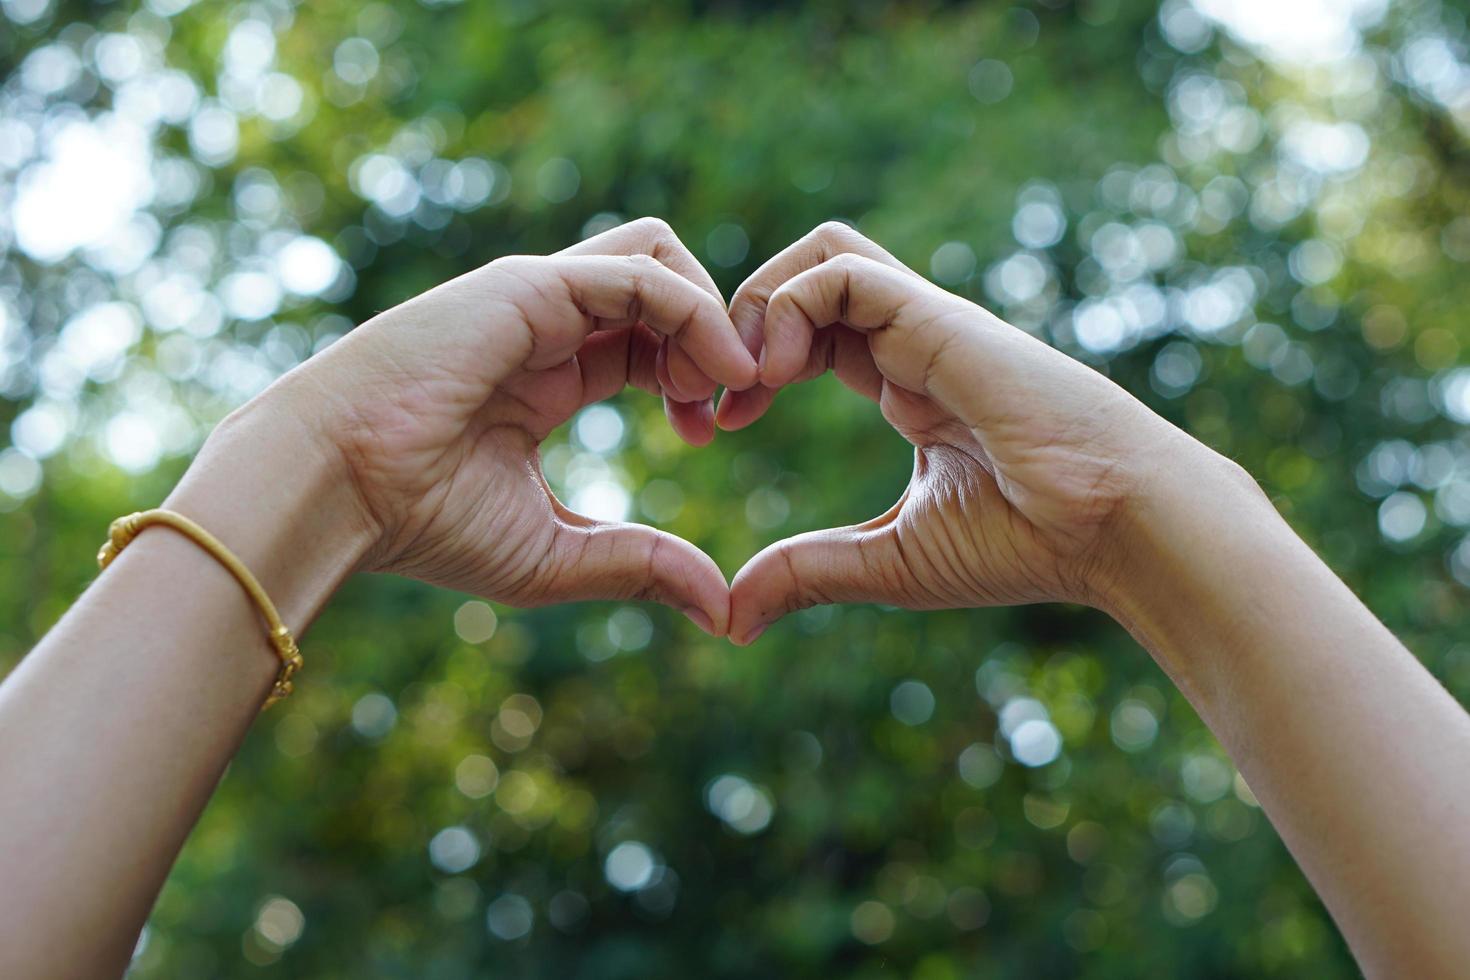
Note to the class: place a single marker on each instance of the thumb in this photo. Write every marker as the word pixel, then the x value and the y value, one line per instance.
pixel 611 560
pixel 861 563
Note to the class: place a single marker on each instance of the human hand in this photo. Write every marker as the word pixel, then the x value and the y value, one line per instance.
pixel 437 408
pixel 1025 460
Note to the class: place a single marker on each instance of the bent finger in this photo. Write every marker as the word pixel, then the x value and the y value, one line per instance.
pixel 827 241
pixel 616 292
pixel 837 349
pixel 613 360
pixel 921 337
pixel 600 560
pixel 652 237
pixel 844 564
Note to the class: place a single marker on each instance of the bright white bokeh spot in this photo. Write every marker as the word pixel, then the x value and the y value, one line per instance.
pixel 1205 778
pixel 1454 395
pixel 25 11
pixel 279 922
pixel 214 135
pixel 40 430
pixel 1329 148
pixel 1402 516
pixel 1018 710
pixel 1434 68
pixel 92 180
pixel 743 806
pixel 50 68
pixel 250 295
pixel 1176 368
pixel 96 339
pixel 20 475
pixel 1036 742
pixel 1314 261
pixel 1460 561
pixel 131 441
pixel 307 266
pixel 386 182
pixel 250 48
pixel 603 500
pixel 1308 31
pixel 1211 306
pixel 454 849
pixel 356 61
pixel 1039 224
pixel 472 182
pixel 629 866
pixel 1099 326
pixel 1020 278
pixel 280 97
pixel 599 428
pixel 1183 26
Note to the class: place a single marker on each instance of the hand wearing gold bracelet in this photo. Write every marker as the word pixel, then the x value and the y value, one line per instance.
pixel 408 446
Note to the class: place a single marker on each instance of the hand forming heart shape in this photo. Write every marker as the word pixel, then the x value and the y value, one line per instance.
pixel 1022 455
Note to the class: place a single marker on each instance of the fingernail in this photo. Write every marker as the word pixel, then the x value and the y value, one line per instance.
pixel 701 619
pixel 755 635
pixel 760 364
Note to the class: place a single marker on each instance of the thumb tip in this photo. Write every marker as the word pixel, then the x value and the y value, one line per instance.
pixel 750 636
pixel 703 620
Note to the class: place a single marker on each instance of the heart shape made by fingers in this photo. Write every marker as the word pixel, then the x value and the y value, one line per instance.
pixel 1003 507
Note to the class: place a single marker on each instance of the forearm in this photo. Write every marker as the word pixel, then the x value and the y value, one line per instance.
pixel 1361 759
pixel 116 728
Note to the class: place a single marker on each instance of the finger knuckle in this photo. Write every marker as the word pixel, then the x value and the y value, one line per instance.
pixel 848 262
pixel 643 263
pixel 782 294
pixel 515 265
pixel 653 228
pixel 833 230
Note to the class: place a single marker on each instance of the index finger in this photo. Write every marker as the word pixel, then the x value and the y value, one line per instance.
pixel 828 240
pixel 688 403
pixel 652 237
pixel 922 338
pixel 617 292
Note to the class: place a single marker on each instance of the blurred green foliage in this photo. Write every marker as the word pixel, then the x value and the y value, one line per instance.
pixel 438 802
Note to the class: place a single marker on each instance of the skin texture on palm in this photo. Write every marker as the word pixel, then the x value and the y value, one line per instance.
pixel 1022 455
pixel 457 388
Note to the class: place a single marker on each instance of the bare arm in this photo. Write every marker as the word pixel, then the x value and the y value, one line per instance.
pixel 1037 479
pixel 115 729
pixel 378 453
pixel 1358 755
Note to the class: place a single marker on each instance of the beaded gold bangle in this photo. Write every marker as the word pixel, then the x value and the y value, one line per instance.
pixel 125 529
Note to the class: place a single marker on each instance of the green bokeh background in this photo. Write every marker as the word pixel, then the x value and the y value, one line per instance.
pixel 1134 853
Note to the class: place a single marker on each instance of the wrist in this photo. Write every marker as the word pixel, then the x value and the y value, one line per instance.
pixel 1196 528
pixel 273 489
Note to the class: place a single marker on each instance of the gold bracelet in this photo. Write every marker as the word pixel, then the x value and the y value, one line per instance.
pixel 125 529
